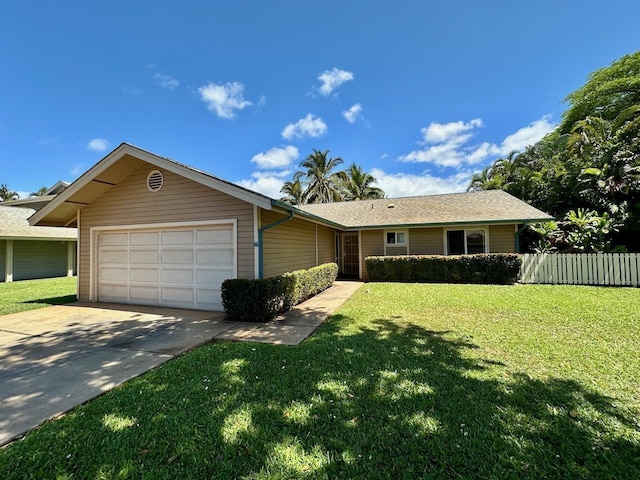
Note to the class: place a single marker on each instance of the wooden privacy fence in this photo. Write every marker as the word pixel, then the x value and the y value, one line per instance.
pixel 621 269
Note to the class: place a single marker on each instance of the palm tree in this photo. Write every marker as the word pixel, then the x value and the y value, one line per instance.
pixel 7 195
pixel 323 186
pixel 484 180
pixel 357 185
pixel 39 193
pixel 294 191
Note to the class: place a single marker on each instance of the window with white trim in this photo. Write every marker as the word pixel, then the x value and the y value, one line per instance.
pixel 466 241
pixel 396 238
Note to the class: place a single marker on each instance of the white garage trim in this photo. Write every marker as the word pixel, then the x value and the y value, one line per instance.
pixel 162 229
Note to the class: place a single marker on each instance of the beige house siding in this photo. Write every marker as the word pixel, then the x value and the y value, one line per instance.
pixel 371 243
pixel 426 241
pixel 502 239
pixel 179 200
pixel 292 245
pixel 326 245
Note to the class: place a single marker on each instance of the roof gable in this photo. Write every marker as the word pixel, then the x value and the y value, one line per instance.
pixel 116 166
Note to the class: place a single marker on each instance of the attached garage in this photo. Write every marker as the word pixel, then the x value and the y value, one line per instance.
pixel 176 265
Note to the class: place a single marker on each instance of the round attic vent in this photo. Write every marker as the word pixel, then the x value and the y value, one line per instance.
pixel 155 180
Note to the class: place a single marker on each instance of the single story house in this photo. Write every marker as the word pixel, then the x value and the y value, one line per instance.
pixel 28 252
pixel 155 231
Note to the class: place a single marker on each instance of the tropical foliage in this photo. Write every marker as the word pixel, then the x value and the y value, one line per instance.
pixel 589 164
pixel 319 182
pixel 7 195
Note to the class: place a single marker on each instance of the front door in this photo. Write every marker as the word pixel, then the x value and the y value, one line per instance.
pixel 350 255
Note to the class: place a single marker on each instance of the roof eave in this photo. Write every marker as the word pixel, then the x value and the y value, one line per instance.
pixel 310 216
pixel 447 224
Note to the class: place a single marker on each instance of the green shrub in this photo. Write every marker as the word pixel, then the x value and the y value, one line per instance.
pixel 261 300
pixel 494 268
pixel 258 300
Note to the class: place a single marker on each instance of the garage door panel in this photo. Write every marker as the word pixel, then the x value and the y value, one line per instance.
pixel 147 275
pixel 144 294
pixel 144 238
pixel 118 239
pixel 214 236
pixel 144 256
pixel 177 275
pixel 114 256
pixel 110 292
pixel 217 256
pixel 177 295
pixel 114 274
pixel 179 257
pixel 178 237
pixel 176 267
pixel 213 276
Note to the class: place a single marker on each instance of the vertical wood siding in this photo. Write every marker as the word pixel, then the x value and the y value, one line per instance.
pixel 502 239
pixel 179 200
pixel 39 259
pixel 371 243
pixel 426 241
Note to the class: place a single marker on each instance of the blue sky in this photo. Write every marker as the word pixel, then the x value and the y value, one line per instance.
pixel 421 94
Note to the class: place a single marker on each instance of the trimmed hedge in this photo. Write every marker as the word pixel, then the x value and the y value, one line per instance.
pixel 261 300
pixel 493 268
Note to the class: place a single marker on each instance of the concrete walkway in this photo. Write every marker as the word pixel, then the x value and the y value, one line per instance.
pixel 53 359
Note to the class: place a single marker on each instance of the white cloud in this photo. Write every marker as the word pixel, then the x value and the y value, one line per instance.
pixel 165 81
pixel 77 169
pixel 448 144
pixel 445 132
pixel 226 100
pixel 309 126
pixel 353 113
pixel 332 79
pixel 276 157
pixel 266 183
pixel 262 101
pixel 527 135
pixel 407 184
pixel 98 144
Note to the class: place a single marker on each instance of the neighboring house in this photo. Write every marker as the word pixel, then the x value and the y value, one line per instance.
pixel 28 252
pixel 38 201
pixel 154 231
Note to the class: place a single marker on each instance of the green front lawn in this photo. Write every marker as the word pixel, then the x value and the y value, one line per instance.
pixel 406 381
pixel 32 294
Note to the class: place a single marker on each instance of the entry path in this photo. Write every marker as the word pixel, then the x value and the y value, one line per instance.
pixel 56 358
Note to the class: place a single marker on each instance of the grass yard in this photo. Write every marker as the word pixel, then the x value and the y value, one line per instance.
pixel 405 381
pixel 31 294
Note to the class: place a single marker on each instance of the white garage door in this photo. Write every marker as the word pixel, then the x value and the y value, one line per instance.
pixel 180 267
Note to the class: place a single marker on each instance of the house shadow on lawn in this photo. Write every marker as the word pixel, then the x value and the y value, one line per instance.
pixel 55 300
pixel 386 401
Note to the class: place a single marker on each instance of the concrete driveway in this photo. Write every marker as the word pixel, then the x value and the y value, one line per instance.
pixel 55 358
pixel 58 357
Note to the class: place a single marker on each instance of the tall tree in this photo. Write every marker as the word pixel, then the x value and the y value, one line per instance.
pixel 294 191
pixel 484 180
pixel 39 193
pixel 7 195
pixel 323 184
pixel 608 92
pixel 358 184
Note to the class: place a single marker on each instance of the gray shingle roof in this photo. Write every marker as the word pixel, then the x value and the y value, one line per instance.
pixel 491 206
pixel 14 223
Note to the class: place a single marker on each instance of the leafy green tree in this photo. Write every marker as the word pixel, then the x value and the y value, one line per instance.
pixel 608 92
pixel 358 185
pixel 484 180
pixel 7 195
pixel 323 184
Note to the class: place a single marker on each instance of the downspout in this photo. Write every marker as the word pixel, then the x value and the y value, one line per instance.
pixel 520 230
pixel 261 231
